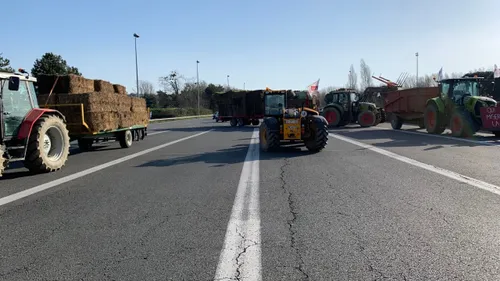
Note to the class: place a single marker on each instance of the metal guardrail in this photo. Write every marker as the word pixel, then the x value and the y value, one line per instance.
pixel 179 118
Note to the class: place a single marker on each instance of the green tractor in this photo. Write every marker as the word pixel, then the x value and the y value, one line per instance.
pixel 343 107
pixel 460 108
pixel 285 123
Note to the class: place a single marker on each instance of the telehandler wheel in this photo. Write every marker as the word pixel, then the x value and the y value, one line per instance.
pixel 48 145
pixel 125 138
pixel 319 134
pixel 367 119
pixel 433 120
pixel 461 125
pixel 3 160
pixel 269 137
pixel 332 115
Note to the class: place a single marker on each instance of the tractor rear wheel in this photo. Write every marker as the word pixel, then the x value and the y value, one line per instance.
pixel 319 134
pixel 332 115
pixel 3 160
pixel 269 137
pixel 367 119
pixel 433 120
pixel 48 145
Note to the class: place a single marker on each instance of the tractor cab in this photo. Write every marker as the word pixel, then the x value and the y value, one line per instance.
pixel 343 107
pixel 458 90
pixel 34 135
pixel 18 98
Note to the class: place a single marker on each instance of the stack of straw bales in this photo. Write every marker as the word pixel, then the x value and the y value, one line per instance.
pixel 106 106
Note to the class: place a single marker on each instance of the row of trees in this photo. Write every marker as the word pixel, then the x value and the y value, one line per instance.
pixel 175 90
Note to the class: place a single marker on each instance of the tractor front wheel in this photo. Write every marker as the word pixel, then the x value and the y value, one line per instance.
pixel 48 145
pixel 461 125
pixel 367 119
pixel 319 134
pixel 332 115
pixel 269 137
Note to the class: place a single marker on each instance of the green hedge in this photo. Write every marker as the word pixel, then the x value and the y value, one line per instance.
pixel 177 112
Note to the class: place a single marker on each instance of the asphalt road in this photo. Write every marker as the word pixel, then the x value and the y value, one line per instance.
pixel 196 200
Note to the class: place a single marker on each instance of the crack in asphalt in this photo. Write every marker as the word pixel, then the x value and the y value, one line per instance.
pixel 291 222
pixel 245 247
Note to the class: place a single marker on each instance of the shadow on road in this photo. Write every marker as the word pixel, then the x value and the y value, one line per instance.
pixel 223 157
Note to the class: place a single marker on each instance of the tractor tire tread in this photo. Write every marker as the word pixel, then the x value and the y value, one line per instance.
pixel 34 160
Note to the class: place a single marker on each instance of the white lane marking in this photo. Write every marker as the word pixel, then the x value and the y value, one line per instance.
pixel 16 196
pixel 240 257
pixel 447 173
pixel 156 133
pixel 441 136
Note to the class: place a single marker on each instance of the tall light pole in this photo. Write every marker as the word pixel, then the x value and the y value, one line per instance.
pixel 136 65
pixel 244 86
pixel 416 55
pixel 198 84
pixel 228 81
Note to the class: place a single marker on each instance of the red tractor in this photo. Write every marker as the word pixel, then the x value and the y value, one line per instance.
pixel 28 133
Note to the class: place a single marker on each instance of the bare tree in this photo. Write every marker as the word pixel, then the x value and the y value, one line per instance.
pixel 366 75
pixel 352 81
pixel 173 82
pixel 145 87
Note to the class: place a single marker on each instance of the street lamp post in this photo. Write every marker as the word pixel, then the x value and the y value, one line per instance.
pixel 416 55
pixel 228 81
pixel 244 88
pixel 198 83
pixel 136 65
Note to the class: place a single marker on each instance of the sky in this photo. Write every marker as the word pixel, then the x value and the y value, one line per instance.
pixel 286 44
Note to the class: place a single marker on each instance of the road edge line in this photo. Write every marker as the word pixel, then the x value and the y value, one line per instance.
pixel 25 193
pixel 447 173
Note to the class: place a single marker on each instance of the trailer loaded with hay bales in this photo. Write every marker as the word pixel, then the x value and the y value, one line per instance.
pixel 95 110
pixel 240 108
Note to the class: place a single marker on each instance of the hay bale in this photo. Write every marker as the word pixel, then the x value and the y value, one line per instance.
pixel 138 104
pixel 119 89
pixel 102 111
pixel 103 86
pixel 66 84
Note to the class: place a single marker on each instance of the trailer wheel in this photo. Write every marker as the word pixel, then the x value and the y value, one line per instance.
pixel 240 122
pixel 433 120
pixel 255 122
pixel 85 144
pixel 366 119
pixel 48 145
pixel 269 137
pixel 319 134
pixel 125 139
pixel 233 122
pixel 3 161
pixel 497 134
pixel 396 122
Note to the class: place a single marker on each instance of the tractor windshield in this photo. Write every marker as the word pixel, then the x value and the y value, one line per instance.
pixel 274 104
pixel 16 104
pixel 465 88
